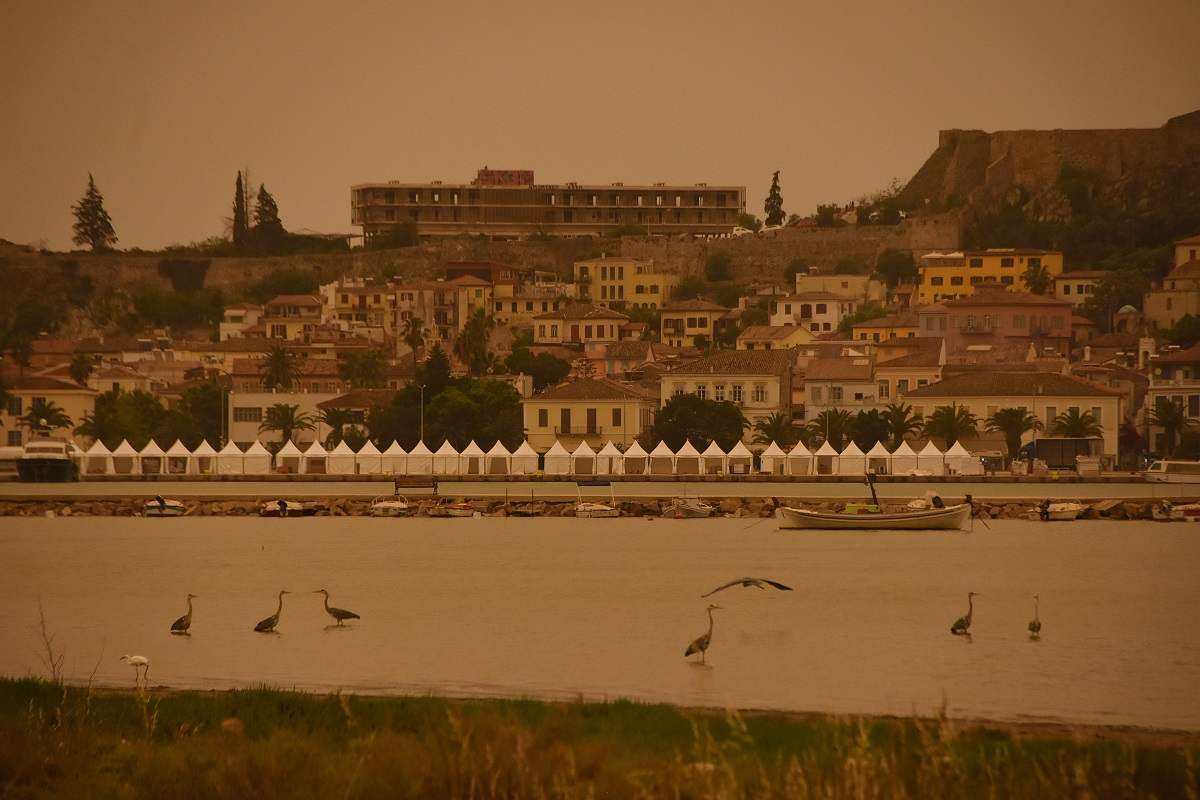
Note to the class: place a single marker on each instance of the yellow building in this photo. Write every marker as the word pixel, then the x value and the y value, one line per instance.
pixel 767 337
pixel 595 410
pixel 615 282
pixel 880 329
pixel 950 276
pixel 685 320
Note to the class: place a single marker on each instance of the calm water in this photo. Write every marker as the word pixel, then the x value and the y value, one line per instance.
pixel 605 608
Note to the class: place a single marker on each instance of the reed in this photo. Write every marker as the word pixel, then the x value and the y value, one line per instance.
pixel 76 742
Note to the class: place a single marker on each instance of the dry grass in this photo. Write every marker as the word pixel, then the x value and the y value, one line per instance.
pixel 60 741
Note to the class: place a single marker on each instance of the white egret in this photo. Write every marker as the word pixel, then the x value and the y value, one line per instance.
pixel 140 664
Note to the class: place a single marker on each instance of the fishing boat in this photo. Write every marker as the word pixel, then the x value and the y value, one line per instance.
pixel 1166 511
pixel 870 516
pixel 1062 511
pixel 447 507
pixel 389 505
pixel 588 509
pixel 48 461
pixel 286 508
pixel 690 508
pixel 162 507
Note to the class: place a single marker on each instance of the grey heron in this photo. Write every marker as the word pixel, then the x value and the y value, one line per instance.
pixel 1035 625
pixel 963 625
pixel 184 623
pixel 268 624
pixel 749 582
pixel 339 614
pixel 140 664
pixel 700 644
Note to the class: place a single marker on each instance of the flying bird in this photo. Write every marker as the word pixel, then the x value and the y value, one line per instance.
pixel 1035 625
pixel 963 625
pixel 749 582
pixel 268 624
pixel 184 623
pixel 340 614
pixel 700 645
pixel 140 664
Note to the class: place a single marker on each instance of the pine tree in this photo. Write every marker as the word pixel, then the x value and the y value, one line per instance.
pixel 240 220
pixel 266 213
pixel 773 207
pixel 93 226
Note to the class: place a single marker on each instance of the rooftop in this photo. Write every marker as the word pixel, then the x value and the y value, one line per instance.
pixel 583 311
pixel 739 362
pixel 591 389
pixel 696 304
pixel 839 369
pixel 991 383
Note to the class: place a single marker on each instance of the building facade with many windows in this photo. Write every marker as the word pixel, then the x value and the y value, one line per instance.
pixel 947 276
pixel 511 204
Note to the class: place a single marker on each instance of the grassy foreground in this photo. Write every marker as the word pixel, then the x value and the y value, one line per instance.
pixel 58 741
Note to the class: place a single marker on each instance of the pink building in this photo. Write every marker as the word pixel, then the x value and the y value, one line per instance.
pixel 995 317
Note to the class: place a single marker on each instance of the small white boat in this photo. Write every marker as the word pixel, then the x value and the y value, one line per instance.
pixel 1166 511
pixel 1063 511
pixel 690 508
pixel 285 508
pixel 389 506
pixel 1172 471
pixel 449 508
pixel 46 460
pixel 162 507
pixel 864 517
pixel 588 509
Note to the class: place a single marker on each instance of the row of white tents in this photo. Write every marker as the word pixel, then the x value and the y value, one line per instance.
pixel 558 460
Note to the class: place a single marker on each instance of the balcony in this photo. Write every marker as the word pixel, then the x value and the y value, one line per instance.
pixel 582 430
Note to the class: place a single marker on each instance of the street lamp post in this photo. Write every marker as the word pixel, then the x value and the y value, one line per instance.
pixel 422 412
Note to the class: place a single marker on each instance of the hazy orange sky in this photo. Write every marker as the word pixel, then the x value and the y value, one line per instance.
pixel 164 102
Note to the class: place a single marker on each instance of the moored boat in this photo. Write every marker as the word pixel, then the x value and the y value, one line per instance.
pixel 389 506
pixel 1061 511
pixel 48 461
pixel 163 507
pixel 690 508
pixel 1173 471
pixel 446 507
pixel 1166 511
pixel 863 517
pixel 596 511
pixel 286 508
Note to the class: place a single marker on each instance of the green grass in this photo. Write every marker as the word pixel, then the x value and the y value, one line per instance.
pixel 58 741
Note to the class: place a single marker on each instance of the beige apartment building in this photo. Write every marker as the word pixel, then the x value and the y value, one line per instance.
pixel 511 204
pixel 947 276
pixel 618 282
pixel 595 410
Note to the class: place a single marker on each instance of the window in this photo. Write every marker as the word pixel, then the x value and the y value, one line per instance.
pixel 564 420
pixel 1066 289
pixel 922 382
pixel 835 394
pixel 553 331
pixel 1035 263
pixel 38 403
pixel 937 280
pixel 736 393
pixel 976 262
pixel 14 438
pixel 1007 280
pixel 500 306
pixel 1006 262
pixel 902 386
pixel 247 414
pixel 653 290
pixel 702 391
pixel 883 390
pixel 822 308
pixel 1051 413
pixel 976 279
pixel 616 417
pixel 14 407
pixel 719 392
pixel 541 330
pixel 956 280
pixel 543 417
pixel 677 390
pixel 760 393
pixel 816 394
pixel 1096 415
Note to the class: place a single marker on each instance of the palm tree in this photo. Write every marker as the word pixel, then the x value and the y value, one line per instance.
pixel 82 365
pixel 336 419
pixel 279 367
pixel 950 423
pixel 41 420
pixel 1013 423
pixel 869 427
pixel 471 346
pixel 1073 425
pixel 834 426
pixel 413 335
pixel 902 421
pixel 776 428
pixel 285 419
pixel 1036 278
pixel 1170 417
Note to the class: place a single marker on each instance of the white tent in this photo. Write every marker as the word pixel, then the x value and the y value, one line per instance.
pixel 257 460
pixel 904 460
pixel 472 460
pixel 445 460
pixel 772 461
pixel 714 460
pixel 557 460
pixel 826 459
pixel 583 460
pixel 230 459
pixel 960 462
pixel 799 460
pixel 852 461
pixel 316 459
pixel 636 461
pixel 204 459
pixel 741 460
pixel 610 460
pixel 879 459
pixel 662 460
pixel 368 460
pixel 97 460
pixel 152 458
pixel 498 459
pixel 125 459
pixel 289 459
pixel 930 460
pixel 177 460
pixel 341 460
pixel 524 460
pixel 687 460
pixel 393 460
pixel 419 461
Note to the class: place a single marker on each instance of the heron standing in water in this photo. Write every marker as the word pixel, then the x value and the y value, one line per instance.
pixel 140 664
pixel 963 625
pixel 184 623
pixel 1035 625
pixel 268 624
pixel 339 614
pixel 749 582
pixel 700 645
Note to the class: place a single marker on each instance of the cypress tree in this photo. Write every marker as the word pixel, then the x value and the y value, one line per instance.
pixel 773 207
pixel 240 220
pixel 93 226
